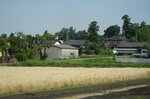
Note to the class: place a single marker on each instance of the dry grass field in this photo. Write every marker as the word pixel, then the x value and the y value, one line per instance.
pixel 24 79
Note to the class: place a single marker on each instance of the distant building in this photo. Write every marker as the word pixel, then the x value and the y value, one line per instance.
pixel 130 47
pixel 115 40
pixel 112 42
pixel 4 35
pixel 121 46
pixel 62 51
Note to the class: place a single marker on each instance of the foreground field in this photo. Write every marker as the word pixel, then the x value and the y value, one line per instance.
pixel 27 79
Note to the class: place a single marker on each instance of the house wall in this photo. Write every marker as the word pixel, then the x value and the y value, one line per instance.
pixel 70 53
pixel 54 53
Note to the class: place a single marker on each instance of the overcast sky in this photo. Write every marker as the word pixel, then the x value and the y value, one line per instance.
pixel 36 16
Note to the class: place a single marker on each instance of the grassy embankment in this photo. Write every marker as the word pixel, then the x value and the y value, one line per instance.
pixel 98 62
pixel 30 79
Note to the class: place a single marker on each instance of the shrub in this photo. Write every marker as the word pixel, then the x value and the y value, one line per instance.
pixel 21 57
pixel 90 52
pixel 45 56
pixel 106 52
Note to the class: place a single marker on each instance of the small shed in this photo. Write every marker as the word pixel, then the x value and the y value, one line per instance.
pixel 62 51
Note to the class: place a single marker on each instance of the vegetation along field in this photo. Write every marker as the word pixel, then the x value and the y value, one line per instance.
pixel 26 79
pixel 98 62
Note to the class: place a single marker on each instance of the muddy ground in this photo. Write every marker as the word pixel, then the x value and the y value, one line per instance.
pixel 136 93
pixel 69 92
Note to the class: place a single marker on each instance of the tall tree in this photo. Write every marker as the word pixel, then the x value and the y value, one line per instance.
pixel 143 34
pixel 63 34
pixel 45 40
pixel 129 29
pixel 113 30
pixel 126 25
pixel 72 33
pixel 143 23
pixel 93 32
pixel 3 48
pixel 66 34
pixel 81 35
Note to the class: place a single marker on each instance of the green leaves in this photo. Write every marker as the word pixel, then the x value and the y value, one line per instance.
pixel 93 32
pixel 112 30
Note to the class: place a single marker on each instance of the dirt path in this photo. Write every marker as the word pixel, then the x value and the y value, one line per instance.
pixel 135 93
pixel 62 93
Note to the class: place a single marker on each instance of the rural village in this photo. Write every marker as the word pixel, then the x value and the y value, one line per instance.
pixel 98 49
pixel 69 44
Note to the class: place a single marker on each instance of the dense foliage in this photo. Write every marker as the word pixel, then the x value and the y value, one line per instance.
pixel 143 33
pixel 113 30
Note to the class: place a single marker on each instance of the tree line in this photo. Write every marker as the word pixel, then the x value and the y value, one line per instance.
pixel 24 47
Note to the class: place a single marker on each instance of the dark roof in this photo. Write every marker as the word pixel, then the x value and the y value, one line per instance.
pixel 132 44
pixel 107 44
pixel 54 41
pixel 113 38
pixel 62 46
pixel 75 42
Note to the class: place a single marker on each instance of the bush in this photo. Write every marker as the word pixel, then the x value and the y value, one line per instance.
pixel 21 57
pixel 106 52
pixel 90 52
pixel 45 56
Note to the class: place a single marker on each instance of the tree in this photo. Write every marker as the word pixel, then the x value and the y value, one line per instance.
pixel 12 40
pixel 81 35
pixel 129 29
pixel 3 48
pixel 72 33
pixel 143 34
pixel 93 32
pixel 143 23
pixel 45 40
pixel 113 30
pixel 87 45
pixel 66 34
pixel 126 25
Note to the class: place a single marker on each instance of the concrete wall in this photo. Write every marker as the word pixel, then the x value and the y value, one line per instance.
pixel 53 53
pixel 70 53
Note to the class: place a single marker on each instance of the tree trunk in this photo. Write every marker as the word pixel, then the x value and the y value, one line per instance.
pixel 44 49
pixel 41 56
pixel 6 55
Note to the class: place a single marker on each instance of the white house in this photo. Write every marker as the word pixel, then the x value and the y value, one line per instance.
pixel 62 51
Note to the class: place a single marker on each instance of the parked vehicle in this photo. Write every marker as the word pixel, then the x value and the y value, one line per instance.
pixel 144 53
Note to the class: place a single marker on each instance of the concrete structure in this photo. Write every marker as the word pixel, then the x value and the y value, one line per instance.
pixel 62 51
